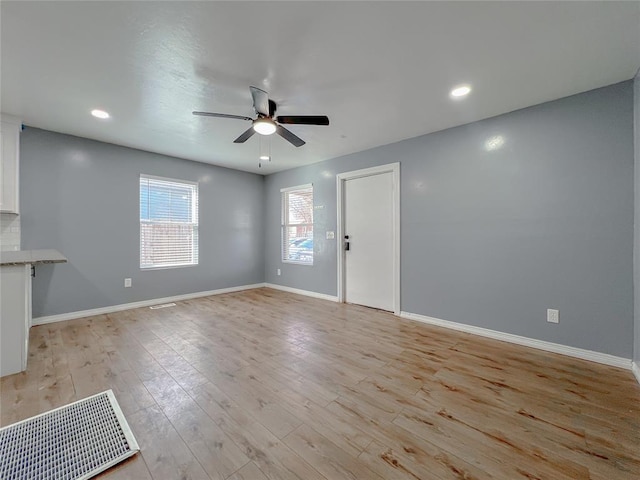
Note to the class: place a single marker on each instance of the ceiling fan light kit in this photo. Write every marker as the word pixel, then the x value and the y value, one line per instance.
pixel 264 126
pixel 266 123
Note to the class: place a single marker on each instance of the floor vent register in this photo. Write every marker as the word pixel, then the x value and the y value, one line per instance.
pixel 74 442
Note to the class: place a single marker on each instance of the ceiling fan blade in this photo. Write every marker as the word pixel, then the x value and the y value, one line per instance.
pixel 245 136
pixel 222 115
pixel 303 119
pixel 260 101
pixel 289 136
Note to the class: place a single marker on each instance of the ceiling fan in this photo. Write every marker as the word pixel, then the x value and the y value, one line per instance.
pixel 266 123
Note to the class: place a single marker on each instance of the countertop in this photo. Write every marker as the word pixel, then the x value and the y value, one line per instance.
pixel 34 257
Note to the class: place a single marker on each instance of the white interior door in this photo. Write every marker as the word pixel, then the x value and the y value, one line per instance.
pixel 369 226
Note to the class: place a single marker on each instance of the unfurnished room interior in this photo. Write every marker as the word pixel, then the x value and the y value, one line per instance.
pixel 320 240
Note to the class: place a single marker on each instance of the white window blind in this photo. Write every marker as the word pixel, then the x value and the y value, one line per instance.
pixel 168 222
pixel 297 224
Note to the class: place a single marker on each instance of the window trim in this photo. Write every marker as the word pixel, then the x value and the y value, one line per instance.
pixel 283 225
pixel 297 187
pixel 196 224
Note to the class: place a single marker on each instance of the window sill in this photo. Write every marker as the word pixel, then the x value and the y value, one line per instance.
pixel 168 267
pixel 293 262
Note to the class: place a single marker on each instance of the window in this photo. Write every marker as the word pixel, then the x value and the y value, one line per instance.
pixel 168 222
pixel 297 224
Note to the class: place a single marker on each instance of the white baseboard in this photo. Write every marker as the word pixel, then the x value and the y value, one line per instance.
pixel 527 342
pixel 636 370
pixel 144 303
pixel 308 293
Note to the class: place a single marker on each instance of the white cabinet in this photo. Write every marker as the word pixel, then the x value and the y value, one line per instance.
pixel 15 317
pixel 15 304
pixel 9 163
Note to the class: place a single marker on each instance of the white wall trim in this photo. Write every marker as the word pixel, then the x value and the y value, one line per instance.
pixel 307 293
pixel 636 370
pixel 144 303
pixel 394 168
pixel 527 342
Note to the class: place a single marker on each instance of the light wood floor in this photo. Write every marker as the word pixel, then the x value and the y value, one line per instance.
pixel 269 385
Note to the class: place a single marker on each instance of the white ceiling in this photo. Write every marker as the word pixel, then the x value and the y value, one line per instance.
pixel 381 71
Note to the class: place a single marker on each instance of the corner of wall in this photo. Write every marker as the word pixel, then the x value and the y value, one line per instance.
pixel 264 228
pixel 636 227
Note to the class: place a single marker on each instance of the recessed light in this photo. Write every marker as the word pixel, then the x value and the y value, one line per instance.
pixel 99 114
pixel 460 91
pixel 264 157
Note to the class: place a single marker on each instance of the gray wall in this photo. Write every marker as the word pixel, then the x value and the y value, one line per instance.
pixel 636 243
pixel 490 239
pixel 493 239
pixel 82 197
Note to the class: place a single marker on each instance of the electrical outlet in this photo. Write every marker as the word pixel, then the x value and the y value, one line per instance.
pixel 553 316
pixel 279 272
pixel 331 235
pixel 127 282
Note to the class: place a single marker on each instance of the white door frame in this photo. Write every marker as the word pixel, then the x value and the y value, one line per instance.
pixel 394 168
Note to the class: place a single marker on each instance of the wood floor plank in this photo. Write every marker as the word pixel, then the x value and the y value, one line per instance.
pixel 163 450
pixel 419 463
pixel 326 457
pixel 275 459
pixel 134 468
pixel 264 384
pixel 494 451
pixel 249 472
pixel 217 454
